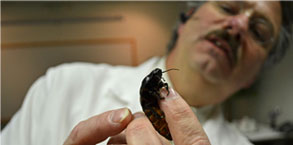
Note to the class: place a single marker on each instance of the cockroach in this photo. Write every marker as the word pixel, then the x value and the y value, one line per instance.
pixel 149 99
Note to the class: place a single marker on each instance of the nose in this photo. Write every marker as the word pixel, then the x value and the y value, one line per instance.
pixel 238 25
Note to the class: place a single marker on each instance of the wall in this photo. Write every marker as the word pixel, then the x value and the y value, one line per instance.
pixel 38 35
pixel 276 90
pixel 273 89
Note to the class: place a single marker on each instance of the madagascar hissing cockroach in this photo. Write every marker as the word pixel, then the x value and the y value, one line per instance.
pixel 149 99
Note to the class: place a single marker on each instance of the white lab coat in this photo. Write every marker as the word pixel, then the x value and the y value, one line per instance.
pixel 70 93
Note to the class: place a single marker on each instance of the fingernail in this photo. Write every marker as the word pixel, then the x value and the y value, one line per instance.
pixel 119 115
pixel 138 115
pixel 172 94
pixel 164 92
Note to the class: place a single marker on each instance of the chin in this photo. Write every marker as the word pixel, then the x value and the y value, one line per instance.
pixel 210 69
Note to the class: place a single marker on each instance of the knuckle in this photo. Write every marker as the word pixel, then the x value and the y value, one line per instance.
pixel 76 131
pixel 199 140
pixel 180 112
pixel 202 142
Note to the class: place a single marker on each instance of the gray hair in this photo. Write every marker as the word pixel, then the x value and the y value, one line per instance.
pixel 279 49
pixel 285 37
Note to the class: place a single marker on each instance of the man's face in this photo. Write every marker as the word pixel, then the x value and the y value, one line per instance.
pixel 227 42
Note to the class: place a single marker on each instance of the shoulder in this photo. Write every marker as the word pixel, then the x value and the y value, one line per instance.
pixel 72 70
pixel 79 70
pixel 82 74
pixel 77 73
pixel 221 132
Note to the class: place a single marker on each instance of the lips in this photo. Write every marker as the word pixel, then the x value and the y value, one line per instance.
pixel 226 43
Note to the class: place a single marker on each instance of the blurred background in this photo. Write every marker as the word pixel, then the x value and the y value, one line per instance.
pixel 39 35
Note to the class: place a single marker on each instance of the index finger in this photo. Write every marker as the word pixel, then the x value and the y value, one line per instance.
pixel 182 122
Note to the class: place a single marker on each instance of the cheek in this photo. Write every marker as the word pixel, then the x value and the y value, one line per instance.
pixel 205 20
pixel 208 16
pixel 195 31
pixel 254 57
pixel 249 66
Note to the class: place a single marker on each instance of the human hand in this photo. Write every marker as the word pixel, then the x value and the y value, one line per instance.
pixel 98 128
pixel 182 122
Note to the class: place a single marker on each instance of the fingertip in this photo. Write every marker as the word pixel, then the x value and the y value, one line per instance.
pixel 138 115
pixel 120 115
pixel 170 99
pixel 174 105
pixel 126 118
pixel 169 94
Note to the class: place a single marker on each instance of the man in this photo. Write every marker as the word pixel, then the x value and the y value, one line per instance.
pixel 221 47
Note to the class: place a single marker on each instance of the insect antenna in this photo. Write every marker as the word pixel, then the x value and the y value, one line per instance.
pixel 170 69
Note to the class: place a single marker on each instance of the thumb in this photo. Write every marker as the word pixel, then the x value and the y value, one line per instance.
pixel 98 128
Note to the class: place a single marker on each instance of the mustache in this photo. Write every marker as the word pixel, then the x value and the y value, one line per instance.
pixel 232 41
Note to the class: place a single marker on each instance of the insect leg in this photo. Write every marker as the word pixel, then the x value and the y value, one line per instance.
pixel 163 79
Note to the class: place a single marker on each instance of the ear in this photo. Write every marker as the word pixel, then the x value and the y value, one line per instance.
pixel 249 83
